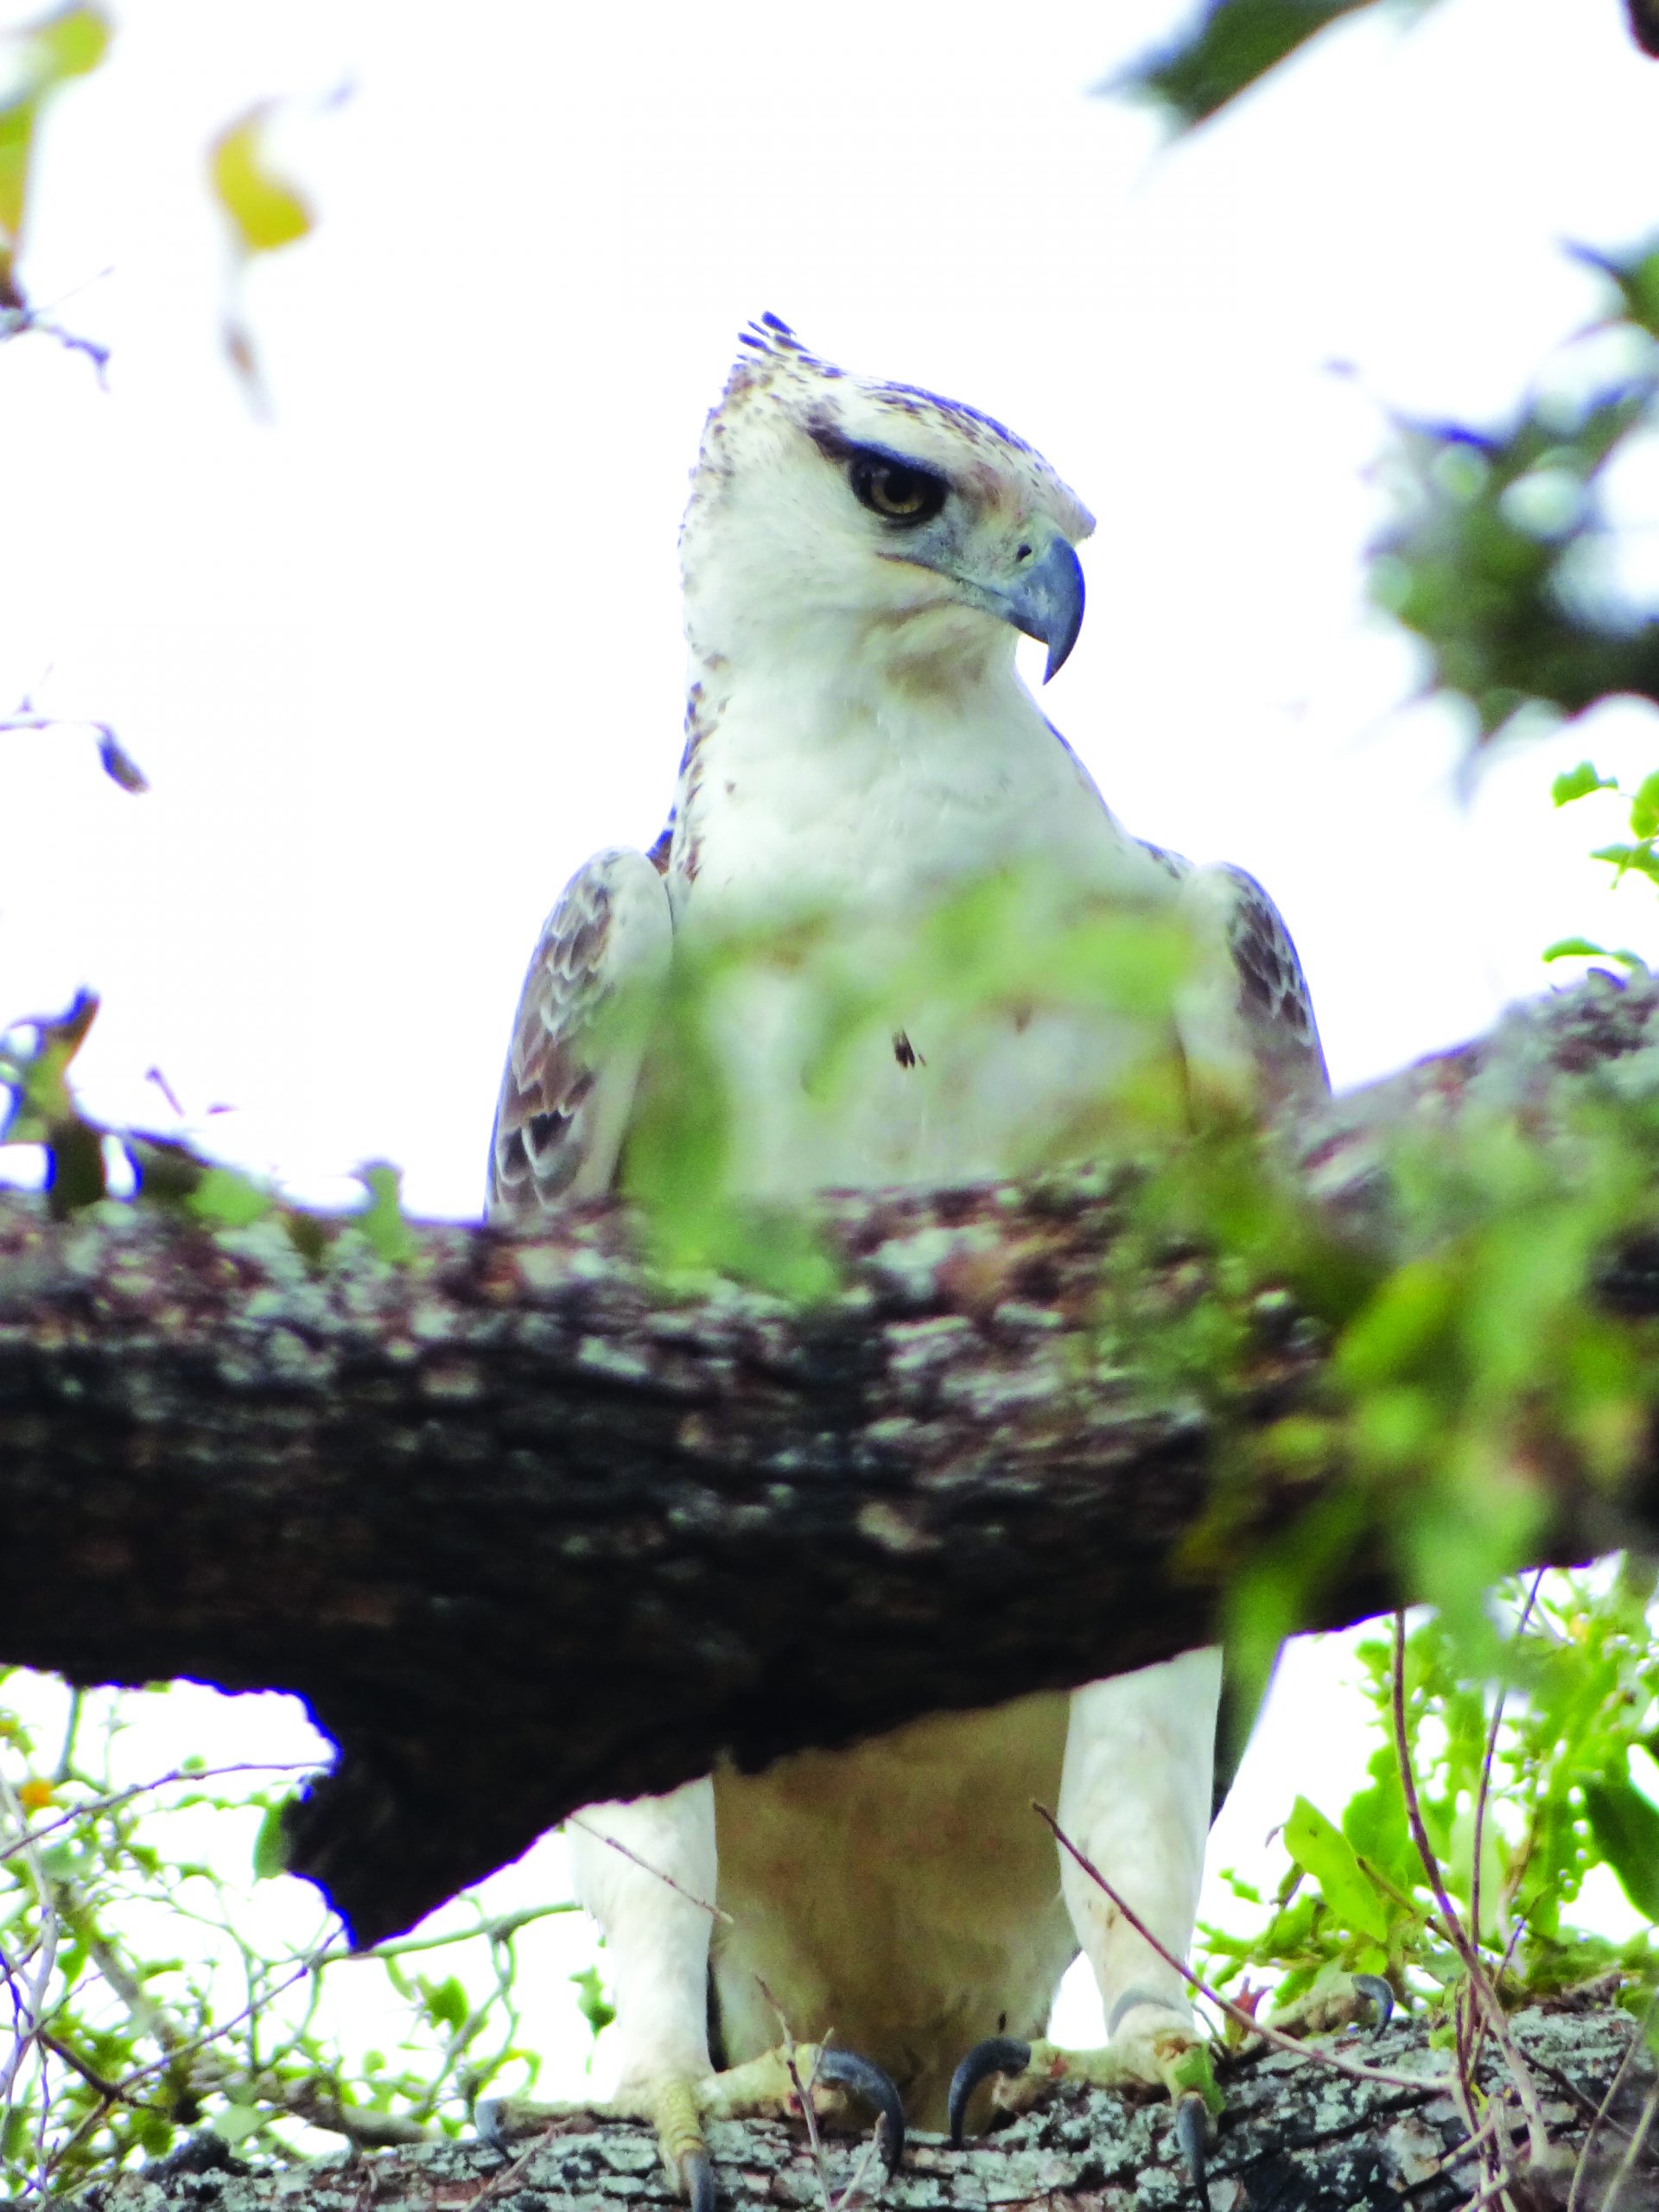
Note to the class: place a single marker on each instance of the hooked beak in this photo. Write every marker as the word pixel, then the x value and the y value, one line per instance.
pixel 1045 599
pixel 1047 602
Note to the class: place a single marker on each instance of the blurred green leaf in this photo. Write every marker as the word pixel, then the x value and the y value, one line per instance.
pixel 39 58
pixel 446 2000
pixel 1490 558
pixel 233 2124
pixel 1322 1850
pixel 1579 783
pixel 1645 807
pixel 270 1847
pixel 1626 1827
pixel 592 2002
pixel 1630 860
pixel 228 1199
pixel 1234 43
pixel 382 1220
pixel 265 211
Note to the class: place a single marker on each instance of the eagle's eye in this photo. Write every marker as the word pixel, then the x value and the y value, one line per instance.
pixel 895 491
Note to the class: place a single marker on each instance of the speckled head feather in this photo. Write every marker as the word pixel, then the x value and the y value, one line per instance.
pixel 780 556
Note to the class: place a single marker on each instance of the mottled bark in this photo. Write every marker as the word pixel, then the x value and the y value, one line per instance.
pixel 526 1528
pixel 1295 2137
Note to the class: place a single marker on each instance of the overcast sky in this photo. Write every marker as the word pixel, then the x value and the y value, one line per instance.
pixel 397 659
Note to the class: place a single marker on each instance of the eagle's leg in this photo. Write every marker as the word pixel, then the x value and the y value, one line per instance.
pixel 646 1871
pixel 1135 1800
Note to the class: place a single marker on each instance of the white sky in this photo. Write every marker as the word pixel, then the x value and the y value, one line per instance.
pixel 397 660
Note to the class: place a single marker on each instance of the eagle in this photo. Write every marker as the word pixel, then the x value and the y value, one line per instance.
pixel 858 557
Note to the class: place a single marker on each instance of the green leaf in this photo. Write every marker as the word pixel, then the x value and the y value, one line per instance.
pixel 270 1847
pixel 70 44
pixel 1645 807
pixel 1579 783
pixel 382 1221
pixel 235 2123
pixel 266 213
pixel 1630 860
pixel 446 2000
pixel 1626 1829
pixel 228 1199
pixel 1323 1852
pixel 1573 948
pixel 592 2002
pixel 1238 41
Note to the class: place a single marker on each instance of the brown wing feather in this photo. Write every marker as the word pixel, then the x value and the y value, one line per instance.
pixel 567 1088
pixel 1245 1016
pixel 1272 995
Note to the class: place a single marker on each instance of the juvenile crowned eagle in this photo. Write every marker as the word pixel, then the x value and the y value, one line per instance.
pixel 857 559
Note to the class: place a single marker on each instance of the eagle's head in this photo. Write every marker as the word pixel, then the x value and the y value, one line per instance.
pixel 871 523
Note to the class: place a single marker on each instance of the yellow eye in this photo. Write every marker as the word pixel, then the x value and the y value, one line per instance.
pixel 895 491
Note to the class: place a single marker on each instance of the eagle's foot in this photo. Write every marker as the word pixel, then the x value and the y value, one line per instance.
pixel 1163 2051
pixel 1336 2000
pixel 775 2086
pixel 762 2088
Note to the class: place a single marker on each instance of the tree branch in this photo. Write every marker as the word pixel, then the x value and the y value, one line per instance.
pixel 1292 2133
pixel 526 1528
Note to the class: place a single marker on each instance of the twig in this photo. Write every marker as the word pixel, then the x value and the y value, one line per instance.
pixel 117 1798
pixel 511 2172
pixel 1600 2120
pixel 1537 2132
pixel 715 1911
pixel 1310 2054
pixel 1486 1763
pixel 1632 2151
pixel 15 323
pixel 117 762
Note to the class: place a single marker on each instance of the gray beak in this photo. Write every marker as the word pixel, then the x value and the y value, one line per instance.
pixel 1047 602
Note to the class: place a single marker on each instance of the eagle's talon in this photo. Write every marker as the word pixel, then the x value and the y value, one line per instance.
pixel 846 2070
pixel 1382 1996
pixel 698 2180
pixel 1192 2135
pixel 996 2054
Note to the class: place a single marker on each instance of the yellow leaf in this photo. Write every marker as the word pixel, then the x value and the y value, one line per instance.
pixel 34 1797
pixel 265 212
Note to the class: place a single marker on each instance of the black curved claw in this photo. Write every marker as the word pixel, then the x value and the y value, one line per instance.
pixel 996 2054
pixel 845 2070
pixel 1192 2134
pixel 1382 1996
pixel 698 2176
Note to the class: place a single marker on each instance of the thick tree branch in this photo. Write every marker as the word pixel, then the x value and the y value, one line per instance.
pixel 1293 2134
pixel 526 1528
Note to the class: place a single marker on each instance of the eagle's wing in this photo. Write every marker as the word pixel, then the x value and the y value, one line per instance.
pixel 1245 1014
pixel 579 1037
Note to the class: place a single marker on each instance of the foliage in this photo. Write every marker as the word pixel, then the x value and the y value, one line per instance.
pixel 1493 559
pixel 158 2002
pixel 1235 43
pixel 1536 1762
pixel 1018 942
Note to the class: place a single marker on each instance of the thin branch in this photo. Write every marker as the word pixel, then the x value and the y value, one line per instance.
pixel 1467 1951
pixel 715 1911
pixel 1309 2053
pixel 1490 1756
